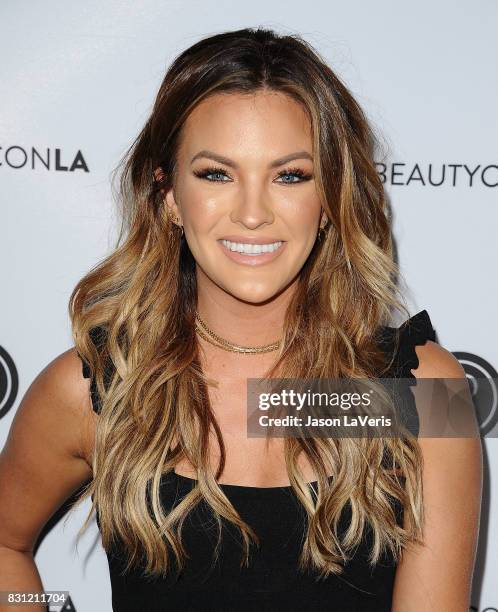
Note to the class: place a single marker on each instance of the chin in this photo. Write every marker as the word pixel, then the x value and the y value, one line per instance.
pixel 253 293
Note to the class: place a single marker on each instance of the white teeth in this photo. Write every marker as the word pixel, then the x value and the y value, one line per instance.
pixel 252 249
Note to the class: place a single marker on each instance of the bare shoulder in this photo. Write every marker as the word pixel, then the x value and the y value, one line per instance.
pixel 44 459
pixel 437 362
pixel 72 407
pixel 61 396
pixel 438 574
pixel 442 456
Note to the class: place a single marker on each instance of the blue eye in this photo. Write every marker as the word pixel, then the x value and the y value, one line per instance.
pixel 296 172
pixel 204 174
pixel 214 171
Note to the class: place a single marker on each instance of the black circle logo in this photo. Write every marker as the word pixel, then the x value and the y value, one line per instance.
pixel 483 380
pixel 9 382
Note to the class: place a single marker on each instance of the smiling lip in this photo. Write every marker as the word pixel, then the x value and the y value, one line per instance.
pixel 247 240
pixel 252 260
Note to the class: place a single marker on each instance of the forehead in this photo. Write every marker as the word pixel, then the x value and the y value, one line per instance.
pixel 260 123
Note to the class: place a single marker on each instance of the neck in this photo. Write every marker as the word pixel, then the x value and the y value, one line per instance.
pixel 241 322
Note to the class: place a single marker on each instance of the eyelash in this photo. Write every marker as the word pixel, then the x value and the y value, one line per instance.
pixel 304 176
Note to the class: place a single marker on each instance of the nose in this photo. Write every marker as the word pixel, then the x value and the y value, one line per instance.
pixel 252 210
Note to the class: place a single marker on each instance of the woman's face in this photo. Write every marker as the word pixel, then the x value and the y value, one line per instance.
pixel 234 192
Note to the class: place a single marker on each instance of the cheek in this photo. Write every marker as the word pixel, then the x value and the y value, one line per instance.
pixel 201 213
pixel 302 217
pixel 202 205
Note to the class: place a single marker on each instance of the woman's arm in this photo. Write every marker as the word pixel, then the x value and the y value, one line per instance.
pixel 438 575
pixel 42 463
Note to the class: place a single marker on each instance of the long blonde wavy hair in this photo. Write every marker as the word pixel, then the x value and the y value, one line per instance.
pixel 139 304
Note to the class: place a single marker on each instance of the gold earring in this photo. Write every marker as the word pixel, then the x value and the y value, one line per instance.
pixel 176 221
pixel 322 231
pixel 180 225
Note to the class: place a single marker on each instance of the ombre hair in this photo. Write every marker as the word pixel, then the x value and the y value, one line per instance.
pixel 140 303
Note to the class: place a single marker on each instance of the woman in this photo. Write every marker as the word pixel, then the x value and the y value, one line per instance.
pixel 252 141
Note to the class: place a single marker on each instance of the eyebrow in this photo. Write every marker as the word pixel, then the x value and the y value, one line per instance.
pixel 221 159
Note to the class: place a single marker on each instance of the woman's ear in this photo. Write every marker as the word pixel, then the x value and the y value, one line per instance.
pixel 158 174
pixel 168 196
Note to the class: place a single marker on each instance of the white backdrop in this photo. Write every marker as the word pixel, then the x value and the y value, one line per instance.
pixel 78 81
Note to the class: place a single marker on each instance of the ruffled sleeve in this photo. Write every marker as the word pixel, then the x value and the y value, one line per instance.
pixel 400 342
pixel 413 332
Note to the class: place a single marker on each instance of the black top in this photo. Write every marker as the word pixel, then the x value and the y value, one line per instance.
pixel 272 582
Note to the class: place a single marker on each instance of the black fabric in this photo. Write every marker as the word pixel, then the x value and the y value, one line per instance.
pixel 98 336
pixel 413 332
pixel 272 582
pixel 401 343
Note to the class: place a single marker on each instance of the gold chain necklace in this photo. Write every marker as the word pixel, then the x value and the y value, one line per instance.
pixel 210 336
